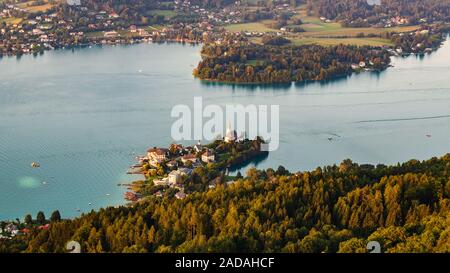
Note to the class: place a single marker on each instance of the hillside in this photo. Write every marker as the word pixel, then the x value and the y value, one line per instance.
pixel 332 209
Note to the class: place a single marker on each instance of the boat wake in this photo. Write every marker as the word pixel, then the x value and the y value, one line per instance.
pixel 402 119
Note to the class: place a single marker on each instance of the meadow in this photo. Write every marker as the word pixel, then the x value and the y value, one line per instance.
pixel 322 33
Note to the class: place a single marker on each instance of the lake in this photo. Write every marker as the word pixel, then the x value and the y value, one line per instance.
pixel 85 114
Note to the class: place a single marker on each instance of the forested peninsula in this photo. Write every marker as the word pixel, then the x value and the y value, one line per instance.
pixel 253 63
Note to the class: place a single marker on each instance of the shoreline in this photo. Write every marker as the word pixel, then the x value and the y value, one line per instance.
pixel 411 56
pixel 178 170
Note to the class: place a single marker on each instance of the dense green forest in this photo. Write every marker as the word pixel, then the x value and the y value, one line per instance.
pixel 253 63
pixel 405 207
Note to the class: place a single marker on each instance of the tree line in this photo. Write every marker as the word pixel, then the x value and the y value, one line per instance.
pixel 359 13
pixel 336 208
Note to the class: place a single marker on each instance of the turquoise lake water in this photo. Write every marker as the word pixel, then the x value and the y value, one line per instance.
pixel 84 115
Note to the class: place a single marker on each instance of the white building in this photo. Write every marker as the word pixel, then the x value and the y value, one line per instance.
pixel 208 156
pixel 231 135
pixel 161 182
pixel 189 157
pixel 158 154
pixel 198 147
pixel 174 177
pixel 180 195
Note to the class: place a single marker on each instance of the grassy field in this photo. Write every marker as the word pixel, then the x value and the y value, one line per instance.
pixel 29 6
pixel 95 34
pixel 11 21
pixel 155 27
pixel 166 13
pixel 322 33
pixel 262 26
pixel 254 62
pixel 345 41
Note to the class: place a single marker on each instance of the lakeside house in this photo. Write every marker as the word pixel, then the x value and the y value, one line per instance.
pixel 157 154
pixel 189 158
pixel 132 196
pixel 176 148
pixel 111 34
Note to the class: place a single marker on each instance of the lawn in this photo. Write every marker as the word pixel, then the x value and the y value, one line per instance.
pixel 319 32
pixel 353 32
pixel 11 20
pixel 95 34
pixel 28 5
pixel 155 28
pixel 254 62
pixel 166 13
pixel 337 41
pixel 261 26
pixel 322 33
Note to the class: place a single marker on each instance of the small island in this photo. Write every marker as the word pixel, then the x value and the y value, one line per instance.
pixel 179 170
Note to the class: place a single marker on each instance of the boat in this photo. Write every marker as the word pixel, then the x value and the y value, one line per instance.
pixel 35 165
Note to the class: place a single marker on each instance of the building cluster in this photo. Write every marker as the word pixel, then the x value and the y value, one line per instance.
pixel 37 33
pixel 220 16
pixel 52 29
pixel 179 162
pixel 9 231
pixel 415 42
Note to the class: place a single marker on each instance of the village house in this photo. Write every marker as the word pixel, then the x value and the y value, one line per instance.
pixel 198 147
pixel 143 33
pixel 180 195
pixel 176 148
pixel 161 182
pixel 37 31
pixel 208 156
pixel 111 34
pixel 172 164
pixel 185 171
pixel 174 177
pixel 158 154
pixel 189 157
pixel 131 196
pixel 113 15
pixel 12 229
